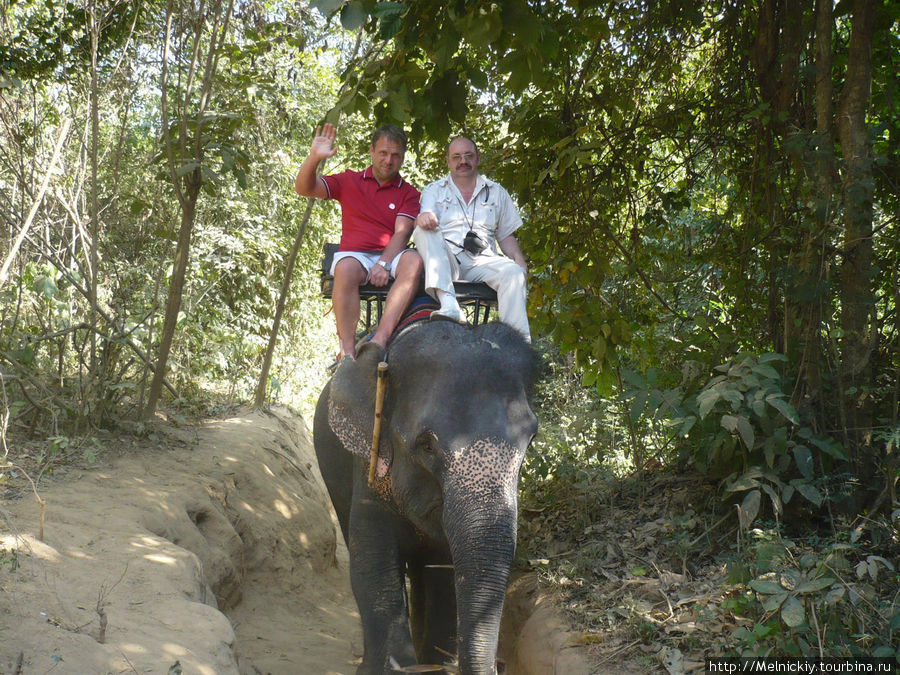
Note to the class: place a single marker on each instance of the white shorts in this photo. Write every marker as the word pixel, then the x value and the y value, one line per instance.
pixel 367 259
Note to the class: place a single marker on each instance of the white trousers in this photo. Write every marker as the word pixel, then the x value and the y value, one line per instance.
pixel 505 276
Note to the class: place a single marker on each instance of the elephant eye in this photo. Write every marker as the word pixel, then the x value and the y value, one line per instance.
pixel 427 442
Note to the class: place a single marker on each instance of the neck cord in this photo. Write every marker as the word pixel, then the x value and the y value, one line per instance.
pixel 471 223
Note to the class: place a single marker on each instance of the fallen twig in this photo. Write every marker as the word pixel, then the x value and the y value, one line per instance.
pixel 708 530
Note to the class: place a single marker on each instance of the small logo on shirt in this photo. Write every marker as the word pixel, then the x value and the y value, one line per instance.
pixel 391 206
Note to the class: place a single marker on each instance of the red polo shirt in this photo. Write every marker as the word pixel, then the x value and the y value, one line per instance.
pixel 369 210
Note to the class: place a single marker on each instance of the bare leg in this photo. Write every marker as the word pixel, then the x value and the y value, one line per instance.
pixel 406 283
pixel 348 276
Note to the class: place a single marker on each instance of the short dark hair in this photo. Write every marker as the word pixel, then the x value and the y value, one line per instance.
pixel 391 132
pixel 462 138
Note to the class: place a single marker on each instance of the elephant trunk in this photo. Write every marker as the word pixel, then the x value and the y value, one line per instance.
pixel 482 543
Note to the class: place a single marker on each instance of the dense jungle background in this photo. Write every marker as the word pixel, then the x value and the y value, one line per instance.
pixel 711 192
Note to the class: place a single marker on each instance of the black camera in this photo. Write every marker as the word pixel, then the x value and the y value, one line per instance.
pixel 474 243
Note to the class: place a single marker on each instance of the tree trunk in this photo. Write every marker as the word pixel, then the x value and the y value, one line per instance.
pixel 811 266
pixel 857 296
pixel 190 150
pixel 775 55
pixel 792 42
pixel 260 398
pixel 176 288
pixel 764 50
pixel 93 374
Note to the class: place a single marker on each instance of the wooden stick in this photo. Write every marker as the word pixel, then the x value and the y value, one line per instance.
pixel 379 406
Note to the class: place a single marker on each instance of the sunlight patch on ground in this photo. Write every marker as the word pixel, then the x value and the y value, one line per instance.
pixel 147 541
pixel 133 649
pixel 158 495
pixel 238 421
pixel 81 555
pixel 329 610
pixel 329 638
pixel 175 650
pixel 284 509
pixel 157 557
pixel 31 546
pixel 179 652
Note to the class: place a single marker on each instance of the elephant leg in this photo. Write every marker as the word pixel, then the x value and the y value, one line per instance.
pixel 432 608
pixel 379 586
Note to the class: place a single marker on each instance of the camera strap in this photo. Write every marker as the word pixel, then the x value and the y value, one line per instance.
pixel 471 223
pixel 450 241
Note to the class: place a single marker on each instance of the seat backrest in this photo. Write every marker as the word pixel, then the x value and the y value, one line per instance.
pixel 329 250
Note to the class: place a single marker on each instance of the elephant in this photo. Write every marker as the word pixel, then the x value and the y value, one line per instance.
pixel 442 510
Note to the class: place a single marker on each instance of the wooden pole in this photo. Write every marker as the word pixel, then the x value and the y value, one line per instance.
pixel 379 406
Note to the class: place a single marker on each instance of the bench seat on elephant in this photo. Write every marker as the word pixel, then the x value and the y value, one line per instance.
pixel 477 296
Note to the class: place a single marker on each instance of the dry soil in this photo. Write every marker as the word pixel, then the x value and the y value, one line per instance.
pixel 209 547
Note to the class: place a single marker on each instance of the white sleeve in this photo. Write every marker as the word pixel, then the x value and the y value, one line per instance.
pixel 428 202
pixel 508 219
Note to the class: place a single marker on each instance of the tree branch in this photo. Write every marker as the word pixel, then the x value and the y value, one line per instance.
pixel 4 271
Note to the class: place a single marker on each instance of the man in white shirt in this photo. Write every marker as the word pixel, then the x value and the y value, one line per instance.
pixel 462 219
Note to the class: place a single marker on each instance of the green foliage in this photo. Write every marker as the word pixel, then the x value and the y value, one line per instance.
pixel 809 601
pixel 760 432
pixel 52 38
pixel 9 558
pixel 744 399
pixel 738 426
pixel 573 432
pixel 425 84
pixel 73 365
pixel 680 198
pixel 635 563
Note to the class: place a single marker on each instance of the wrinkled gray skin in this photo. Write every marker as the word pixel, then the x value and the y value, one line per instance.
pixel 455 429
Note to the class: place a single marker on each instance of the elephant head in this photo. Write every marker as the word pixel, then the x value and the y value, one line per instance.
pixel 455 429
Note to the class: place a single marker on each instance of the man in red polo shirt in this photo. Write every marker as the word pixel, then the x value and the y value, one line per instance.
pixel 378 211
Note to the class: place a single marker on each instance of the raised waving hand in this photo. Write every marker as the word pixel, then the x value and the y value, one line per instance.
pixel 323 144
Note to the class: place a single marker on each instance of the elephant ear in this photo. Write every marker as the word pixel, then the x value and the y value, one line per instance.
pixel 351 403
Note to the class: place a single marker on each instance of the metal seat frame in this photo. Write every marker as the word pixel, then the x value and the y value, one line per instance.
pixel 475 297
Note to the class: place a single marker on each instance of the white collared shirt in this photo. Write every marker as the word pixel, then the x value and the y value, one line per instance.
pixel 491 211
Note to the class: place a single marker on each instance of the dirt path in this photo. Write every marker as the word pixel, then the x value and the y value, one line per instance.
pixel 139 557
